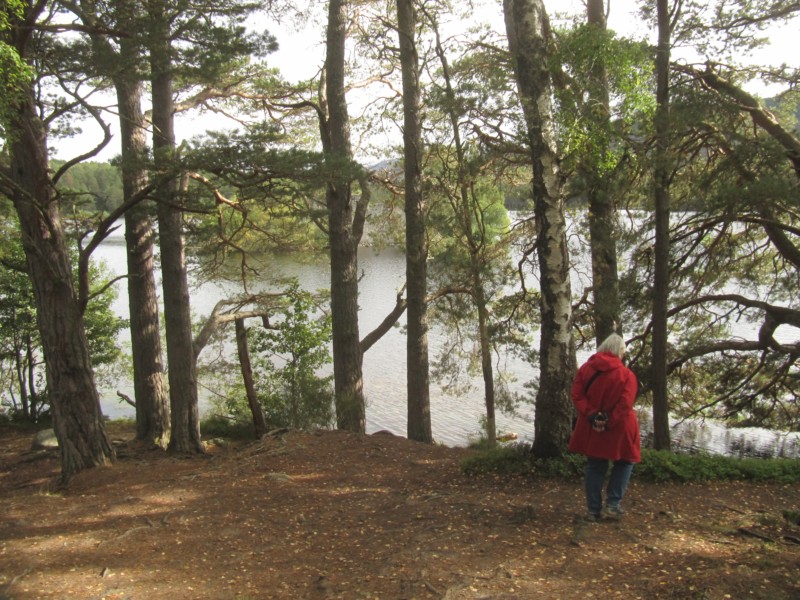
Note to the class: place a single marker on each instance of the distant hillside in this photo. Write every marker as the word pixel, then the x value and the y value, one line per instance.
pixel 91 186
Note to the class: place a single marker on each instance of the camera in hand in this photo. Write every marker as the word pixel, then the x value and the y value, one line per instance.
pixel 598 421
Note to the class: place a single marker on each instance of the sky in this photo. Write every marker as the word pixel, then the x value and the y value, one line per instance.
pixel 300 55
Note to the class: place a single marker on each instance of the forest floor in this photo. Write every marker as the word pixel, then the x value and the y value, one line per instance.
pixel 337 515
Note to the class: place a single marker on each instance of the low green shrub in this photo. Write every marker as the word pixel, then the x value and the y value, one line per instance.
pixel 772 469
pixel 516 459
pixel 667 466
pixel 511 459
pixel 656 466
pixel 568 466
pixel 218 426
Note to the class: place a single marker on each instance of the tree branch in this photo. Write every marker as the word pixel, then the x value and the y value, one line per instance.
pixel 373 336
pixel 218 318
pixel 761 116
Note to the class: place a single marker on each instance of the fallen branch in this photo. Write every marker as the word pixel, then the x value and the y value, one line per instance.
pixel 17 578
pixel 150 525
pixel 792 538
pixel 755 534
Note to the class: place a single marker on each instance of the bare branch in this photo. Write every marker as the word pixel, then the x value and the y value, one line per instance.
pixel 219 317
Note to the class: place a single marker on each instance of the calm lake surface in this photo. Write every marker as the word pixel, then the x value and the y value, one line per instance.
pixel 455 418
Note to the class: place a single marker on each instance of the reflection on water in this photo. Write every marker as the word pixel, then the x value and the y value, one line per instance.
pixel 455 419
pixel 695 435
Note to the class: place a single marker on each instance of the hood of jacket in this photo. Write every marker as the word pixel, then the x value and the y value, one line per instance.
pixel 604 361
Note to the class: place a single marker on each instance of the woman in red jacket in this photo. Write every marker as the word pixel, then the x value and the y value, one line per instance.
pixel 606 429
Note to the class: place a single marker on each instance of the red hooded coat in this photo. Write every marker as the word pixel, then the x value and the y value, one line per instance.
pixel 613 391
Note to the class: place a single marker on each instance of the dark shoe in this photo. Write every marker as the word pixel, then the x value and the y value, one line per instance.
pixel 592 517
pixel 614 512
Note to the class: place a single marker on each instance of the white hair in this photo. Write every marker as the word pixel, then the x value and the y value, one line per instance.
pixel 614 344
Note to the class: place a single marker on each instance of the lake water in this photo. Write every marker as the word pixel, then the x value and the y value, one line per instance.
pixel 455 419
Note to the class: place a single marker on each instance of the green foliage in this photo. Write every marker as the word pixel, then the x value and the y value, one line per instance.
pixel 566 467
pixel 469 241
pixel 19 334
pixel 275 197
pixel 667 466
pixel 590 134
pixel 10 8
pixel 15 74
pixel 101 322
pixel 511 459
pixel 288 359
pixel 219 45
pixel 729 179
pixel 21 359
pixel 90 187
pixel 516 459
pixel 459 230
pixel 217 425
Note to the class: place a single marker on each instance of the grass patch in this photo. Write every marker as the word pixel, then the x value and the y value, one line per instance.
pixel 122 426
pixel 656 466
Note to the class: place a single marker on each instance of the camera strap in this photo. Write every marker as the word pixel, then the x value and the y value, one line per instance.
pixel 592 379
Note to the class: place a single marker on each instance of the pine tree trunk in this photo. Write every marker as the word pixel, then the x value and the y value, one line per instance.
pixel 486 355
pixel 259 422
pixel 77 417
pixel 661 435
pixel 185 417
pixel 152 403
pixel 469 227
pixel 529 35
pixel 602 209
pixel 347 354
pixel 418 375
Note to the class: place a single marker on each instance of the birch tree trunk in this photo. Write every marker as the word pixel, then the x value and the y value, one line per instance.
pixel 528 30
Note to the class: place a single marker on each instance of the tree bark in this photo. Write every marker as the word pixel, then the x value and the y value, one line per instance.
pixel 77 417
pixel 487 370
pixel 21 374
pixel 602 209
pixel 661 435
pixel 152 403
pixel 259 422
pixel 185 417
pixel 418 374
pixel 344 232
pixel 467 214
pixel 529 35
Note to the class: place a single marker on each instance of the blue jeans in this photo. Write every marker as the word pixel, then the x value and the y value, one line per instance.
pixel 595 477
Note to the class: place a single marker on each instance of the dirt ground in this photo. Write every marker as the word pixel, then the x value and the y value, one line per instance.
pixel 336 515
